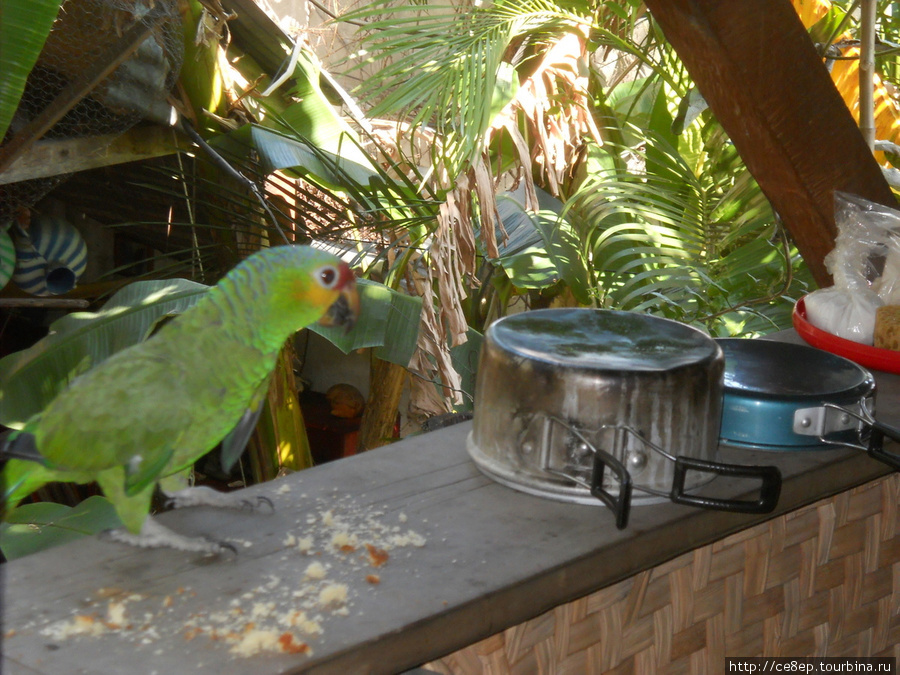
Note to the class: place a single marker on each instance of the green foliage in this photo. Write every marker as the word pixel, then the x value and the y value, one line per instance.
pixel 35 527
pixel 24 27
pixel 451 69
pixel 79 341
pixel 688 235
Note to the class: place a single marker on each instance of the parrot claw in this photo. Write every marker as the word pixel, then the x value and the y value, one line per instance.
pixel 154 535
pixel 254 504
pixel 205 496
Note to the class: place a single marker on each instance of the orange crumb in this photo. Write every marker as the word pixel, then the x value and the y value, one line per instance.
pixel 373 579
pixel 191 633
pixel 289 644
pixel 377 556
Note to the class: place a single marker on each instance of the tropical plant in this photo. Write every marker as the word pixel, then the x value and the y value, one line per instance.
pixel 657 212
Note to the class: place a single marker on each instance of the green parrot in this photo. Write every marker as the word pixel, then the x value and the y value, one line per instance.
pixel 147 413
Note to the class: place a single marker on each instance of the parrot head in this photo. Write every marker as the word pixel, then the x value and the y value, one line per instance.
pixel 310 285
pixel 345 309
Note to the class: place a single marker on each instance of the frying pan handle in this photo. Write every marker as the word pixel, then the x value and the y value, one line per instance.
pixel 619 504
pixel 769 490
pixel 876 444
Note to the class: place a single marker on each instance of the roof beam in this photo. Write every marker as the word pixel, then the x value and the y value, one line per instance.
pixel 760 74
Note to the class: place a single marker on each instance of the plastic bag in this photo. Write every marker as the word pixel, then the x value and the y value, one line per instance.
pixel 865 265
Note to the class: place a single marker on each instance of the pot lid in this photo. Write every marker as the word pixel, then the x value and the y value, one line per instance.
pixel 782 369
pixel 600 339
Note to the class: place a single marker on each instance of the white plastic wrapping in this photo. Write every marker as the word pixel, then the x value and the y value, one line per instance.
pixel 865 265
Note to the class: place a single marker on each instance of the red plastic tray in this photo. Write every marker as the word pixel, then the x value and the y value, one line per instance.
pixel 864 355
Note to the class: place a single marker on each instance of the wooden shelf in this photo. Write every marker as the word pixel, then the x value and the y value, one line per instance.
pixel 58 157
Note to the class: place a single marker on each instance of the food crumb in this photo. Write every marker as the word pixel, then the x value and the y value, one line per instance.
pixel 373 579
pixel 315 570
pixel 115 615
pixel 333 594
pixel 344 541
pixel 377 556
pixel 289 644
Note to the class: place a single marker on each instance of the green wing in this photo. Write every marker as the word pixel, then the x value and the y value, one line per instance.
pixel 235 442
pixel 130 412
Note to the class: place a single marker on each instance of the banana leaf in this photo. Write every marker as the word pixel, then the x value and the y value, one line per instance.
pixel 388 321
pixel 35 527
pixel 24 27
pixel 277 151
pixel 33 377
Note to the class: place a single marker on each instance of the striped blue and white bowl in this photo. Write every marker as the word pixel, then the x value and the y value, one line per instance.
pixel 50 256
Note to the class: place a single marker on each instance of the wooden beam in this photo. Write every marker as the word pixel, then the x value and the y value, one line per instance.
pixel 52 158
pixel 760 73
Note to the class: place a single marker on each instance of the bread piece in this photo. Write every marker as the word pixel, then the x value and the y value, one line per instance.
pixel 887 327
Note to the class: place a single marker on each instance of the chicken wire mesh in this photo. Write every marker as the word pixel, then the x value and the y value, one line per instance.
pixel 140 41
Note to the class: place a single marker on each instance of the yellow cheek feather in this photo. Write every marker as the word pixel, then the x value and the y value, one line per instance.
pixel 313 294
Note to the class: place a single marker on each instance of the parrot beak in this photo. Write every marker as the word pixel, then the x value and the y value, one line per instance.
pixel 345 309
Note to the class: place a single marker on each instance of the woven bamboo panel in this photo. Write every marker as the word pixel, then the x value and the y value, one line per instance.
pixel 823 580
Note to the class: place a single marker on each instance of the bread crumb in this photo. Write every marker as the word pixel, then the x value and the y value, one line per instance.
pixel 315 570
pixel 373 579
pixel 115 615
pixel 344 541
pixel 255 641
pixel 333 595
pixel 305 544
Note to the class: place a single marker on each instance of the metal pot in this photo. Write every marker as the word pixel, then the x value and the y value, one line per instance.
pixel 584 405
pixel 783 396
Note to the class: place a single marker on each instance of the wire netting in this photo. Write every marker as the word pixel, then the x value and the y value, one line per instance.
pixel 85 34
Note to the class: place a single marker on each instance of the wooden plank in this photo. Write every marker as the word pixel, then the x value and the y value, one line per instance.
pixel 760 74
pixel 492 558
pixel 53 158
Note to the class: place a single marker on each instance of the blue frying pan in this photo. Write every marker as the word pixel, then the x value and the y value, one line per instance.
pixel 783 396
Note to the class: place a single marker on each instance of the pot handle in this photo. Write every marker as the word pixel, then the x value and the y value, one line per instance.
pixel 877 431
pixel 875 448
pixel 619 504
pixel 769 490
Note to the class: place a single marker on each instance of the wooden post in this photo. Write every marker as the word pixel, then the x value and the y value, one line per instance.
pixel 386 382
pixel 760 73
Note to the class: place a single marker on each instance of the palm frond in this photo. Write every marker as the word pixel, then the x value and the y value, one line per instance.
pixel 701 246
pixel 443 67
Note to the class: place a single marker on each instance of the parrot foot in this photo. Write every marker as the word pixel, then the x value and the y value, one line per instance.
pixel 205 496
pixel 154 535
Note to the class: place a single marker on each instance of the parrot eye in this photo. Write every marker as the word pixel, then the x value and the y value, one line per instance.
pixel 328 277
